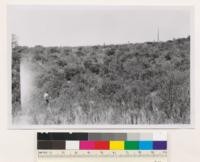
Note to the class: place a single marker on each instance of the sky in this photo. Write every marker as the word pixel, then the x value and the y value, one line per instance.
pixel 95 25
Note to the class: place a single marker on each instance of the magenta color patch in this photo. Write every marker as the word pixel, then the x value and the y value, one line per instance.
pixel 87 145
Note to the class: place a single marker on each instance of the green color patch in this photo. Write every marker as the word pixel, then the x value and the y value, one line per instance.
pixel 131 145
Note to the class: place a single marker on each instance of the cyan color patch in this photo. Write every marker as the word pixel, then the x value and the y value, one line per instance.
pixel 145 145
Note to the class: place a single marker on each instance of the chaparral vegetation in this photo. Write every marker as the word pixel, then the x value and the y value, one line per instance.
pixel 133 83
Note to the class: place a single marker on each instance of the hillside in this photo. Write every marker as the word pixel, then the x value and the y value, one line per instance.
pixel 142 83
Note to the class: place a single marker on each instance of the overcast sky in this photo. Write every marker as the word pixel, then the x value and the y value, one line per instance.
pixel 74 26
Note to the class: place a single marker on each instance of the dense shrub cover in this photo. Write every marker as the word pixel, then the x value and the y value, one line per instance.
pixel 142 83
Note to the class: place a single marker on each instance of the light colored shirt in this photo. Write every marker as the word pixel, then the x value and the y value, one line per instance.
pixel 46 95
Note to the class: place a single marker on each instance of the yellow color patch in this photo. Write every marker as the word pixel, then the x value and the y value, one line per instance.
pixel 116 145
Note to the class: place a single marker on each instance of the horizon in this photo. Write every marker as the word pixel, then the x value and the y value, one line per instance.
pixel 106 44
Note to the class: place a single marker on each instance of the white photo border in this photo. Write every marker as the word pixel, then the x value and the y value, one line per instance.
pixel 109 127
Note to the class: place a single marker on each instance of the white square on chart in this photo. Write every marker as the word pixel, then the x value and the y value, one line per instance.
pixel 72 145
pixel 160 136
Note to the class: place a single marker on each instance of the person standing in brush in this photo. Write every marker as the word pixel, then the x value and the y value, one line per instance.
pixel 46 98
pixel 47 102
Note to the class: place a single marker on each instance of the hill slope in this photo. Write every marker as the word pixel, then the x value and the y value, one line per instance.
pixel 144 83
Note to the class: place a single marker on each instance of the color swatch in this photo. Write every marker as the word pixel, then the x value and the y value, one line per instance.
pixel 102 141
pixel 116 145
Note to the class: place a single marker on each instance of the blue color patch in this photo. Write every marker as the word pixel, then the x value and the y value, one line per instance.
pixel 160 145
pixel 145 145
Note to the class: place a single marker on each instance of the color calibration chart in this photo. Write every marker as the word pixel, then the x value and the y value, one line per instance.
pixel 79 147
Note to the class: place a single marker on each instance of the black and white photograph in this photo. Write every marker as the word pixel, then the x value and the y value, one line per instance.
pixel 100 65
